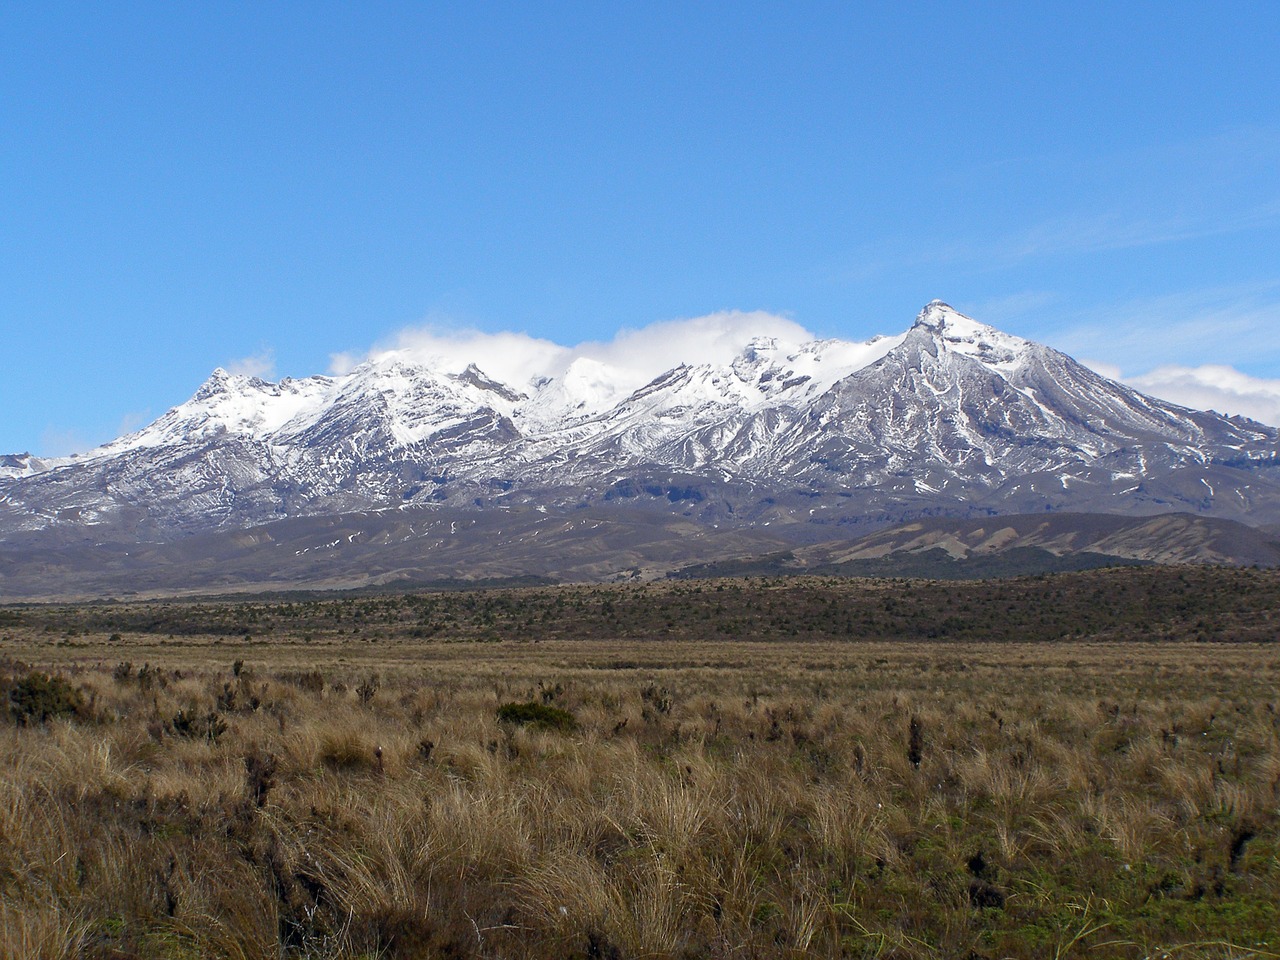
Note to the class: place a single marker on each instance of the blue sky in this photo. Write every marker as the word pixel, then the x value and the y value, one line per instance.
pixel 264 186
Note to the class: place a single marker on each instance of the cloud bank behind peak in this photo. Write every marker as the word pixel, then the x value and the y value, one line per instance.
pixel 1214 387
pixel 633 356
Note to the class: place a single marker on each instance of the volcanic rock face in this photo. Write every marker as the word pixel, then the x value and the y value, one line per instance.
pixel 950 418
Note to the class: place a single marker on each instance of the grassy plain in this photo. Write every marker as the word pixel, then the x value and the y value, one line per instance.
pixel 1077 765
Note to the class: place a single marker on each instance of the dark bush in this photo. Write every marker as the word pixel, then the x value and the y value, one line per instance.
pixel 537 715
pixel 195 726
pixel 915 742
pixel 260 775
pixel 368 689
pixel 38 698
pixel 227 698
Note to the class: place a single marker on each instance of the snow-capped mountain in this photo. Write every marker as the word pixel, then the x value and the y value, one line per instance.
pixel 951 417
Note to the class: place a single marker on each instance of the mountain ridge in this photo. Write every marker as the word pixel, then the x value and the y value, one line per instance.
pixel 951 418
pixel 421 546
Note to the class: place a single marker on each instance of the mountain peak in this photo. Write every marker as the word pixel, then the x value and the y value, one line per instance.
pixel 942 317
pixel 478 378
pixel 217 383
pixel 960 334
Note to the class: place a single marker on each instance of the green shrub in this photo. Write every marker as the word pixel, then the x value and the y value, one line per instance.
pixel 38 698
pixel 537 715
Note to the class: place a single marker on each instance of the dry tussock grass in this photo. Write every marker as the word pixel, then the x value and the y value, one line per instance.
pixel 890 800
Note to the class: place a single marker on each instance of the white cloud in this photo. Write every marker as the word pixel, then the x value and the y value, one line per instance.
pixel 635 356
pixel 134 420
pixel 1214 387
pixel 261 364
pixel 59 442
pixel 714 338
pixel 340 364
pixel 510 357
pixel 1108 370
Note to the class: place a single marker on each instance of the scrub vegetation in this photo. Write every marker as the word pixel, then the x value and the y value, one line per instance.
pixel 1077 765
